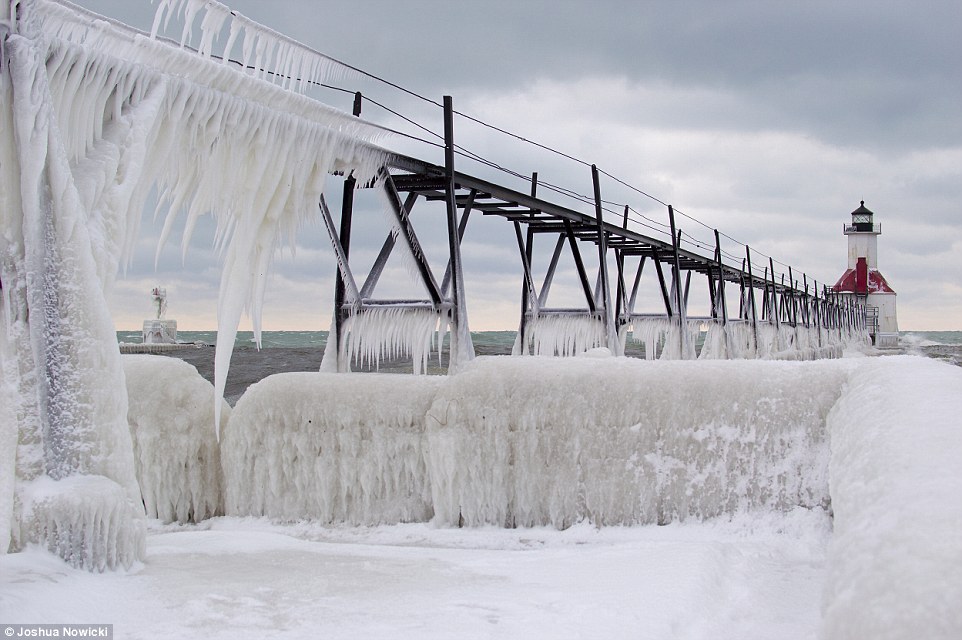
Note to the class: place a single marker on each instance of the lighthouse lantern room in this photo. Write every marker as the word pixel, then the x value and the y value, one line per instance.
pixel 863 280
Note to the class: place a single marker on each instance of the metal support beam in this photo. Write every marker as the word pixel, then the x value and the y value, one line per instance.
pixel 529 297
pixel 609 319
pixel 468 206
pixel 367 289
pixel 720 307
pixel 751 297
pixel 580 265
pixel 664 288
pixel 676 277
pixel 342 245
pixel 634 287
pixel 410 237
pixel 462 349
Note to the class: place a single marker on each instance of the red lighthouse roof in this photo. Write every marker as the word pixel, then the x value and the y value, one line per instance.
pixel 862 280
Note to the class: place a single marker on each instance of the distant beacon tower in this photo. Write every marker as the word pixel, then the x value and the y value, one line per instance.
pixel 863 280
pixel 160 330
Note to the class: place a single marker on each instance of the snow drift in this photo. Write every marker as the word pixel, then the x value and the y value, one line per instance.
pixel 175 446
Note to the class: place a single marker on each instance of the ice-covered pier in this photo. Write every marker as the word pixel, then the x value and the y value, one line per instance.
pixel 771 318
pixel 95 116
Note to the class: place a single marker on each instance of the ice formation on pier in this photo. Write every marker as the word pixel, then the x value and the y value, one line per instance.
pixel 561 335
pixel 533 441
pixel 895 553
pixel 94 115
pixel 384 333
pixel 615 441
pixel 175 450
pixel 339 448
pixel 738 339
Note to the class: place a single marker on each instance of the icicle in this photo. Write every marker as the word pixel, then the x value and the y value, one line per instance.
pixel 564 335
pixel 390 333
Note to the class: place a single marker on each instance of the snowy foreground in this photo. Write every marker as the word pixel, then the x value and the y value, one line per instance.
pixel 740 459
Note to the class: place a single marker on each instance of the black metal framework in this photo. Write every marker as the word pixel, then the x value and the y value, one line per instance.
pixel 406 180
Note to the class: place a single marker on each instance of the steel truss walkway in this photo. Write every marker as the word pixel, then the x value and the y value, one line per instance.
pixel 405 180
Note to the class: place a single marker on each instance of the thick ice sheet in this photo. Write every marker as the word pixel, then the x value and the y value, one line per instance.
pixel 535 441
pixel 342 448
pixel 175 443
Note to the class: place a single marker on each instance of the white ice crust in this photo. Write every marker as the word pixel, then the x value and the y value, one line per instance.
pixel 94 115
pixel 896 554
pixel 175 449
pixel 340 448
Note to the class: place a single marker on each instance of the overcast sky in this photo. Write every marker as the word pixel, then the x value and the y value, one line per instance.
pixel 767 120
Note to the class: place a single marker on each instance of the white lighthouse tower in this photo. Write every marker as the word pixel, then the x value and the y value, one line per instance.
pixel 863 280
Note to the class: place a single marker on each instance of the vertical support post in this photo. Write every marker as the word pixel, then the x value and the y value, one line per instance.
pixel 462 349
pixel 751 297
pixel 529 298
pixel 806 303
pixel 344 235
pixel 720 303
pixel 676 276
pixel 609 319
pixel 621 297
pixel 775 310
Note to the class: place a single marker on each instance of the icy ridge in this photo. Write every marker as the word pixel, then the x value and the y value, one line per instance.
pixel 529 442
pixel 337 448
pixel 175 450
pixel 533 441
pixel 896 551
pixel 740 340
pixel 84 519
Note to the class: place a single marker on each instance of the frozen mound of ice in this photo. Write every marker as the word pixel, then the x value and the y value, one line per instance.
pixel 85 519
pixel 175 444
pixel 896 553
pixel 538 441
pixel 345 448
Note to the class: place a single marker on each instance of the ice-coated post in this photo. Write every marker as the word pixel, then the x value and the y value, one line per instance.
pixel 751 297
pixel 344 235
pixel 721 307
pixel 462 349
pixel 614 343
pixel 529 299
pixel 676 276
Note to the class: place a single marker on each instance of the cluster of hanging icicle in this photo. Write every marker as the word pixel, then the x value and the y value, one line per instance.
pixel 736 340
pixel 94 115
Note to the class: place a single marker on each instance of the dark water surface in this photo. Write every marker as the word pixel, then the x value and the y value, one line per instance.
pixel 286 351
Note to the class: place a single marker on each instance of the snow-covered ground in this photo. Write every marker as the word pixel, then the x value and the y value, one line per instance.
pixel 752 577
pixel 886 562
